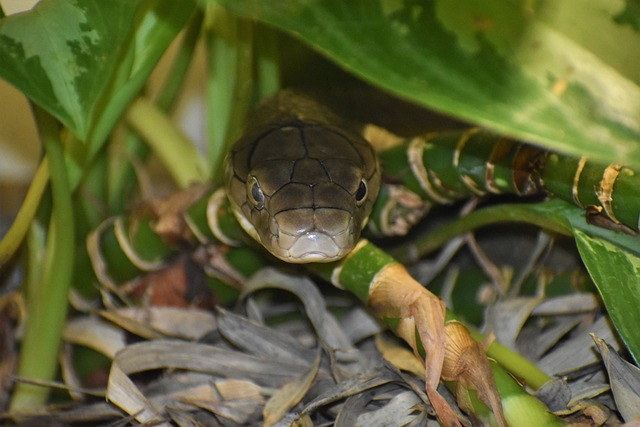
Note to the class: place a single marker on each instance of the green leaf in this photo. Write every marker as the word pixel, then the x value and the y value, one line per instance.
pixel 57 54
pixel 564 213
pixel 616 273
pixel 157 24
pixel 554 215
pixel 561 74
pixel 78 59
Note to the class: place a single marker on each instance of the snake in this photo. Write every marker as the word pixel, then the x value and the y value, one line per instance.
pixel 300 180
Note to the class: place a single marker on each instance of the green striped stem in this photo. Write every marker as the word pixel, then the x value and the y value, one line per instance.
pixel 125 247
pixel 417 316
pixel 447 166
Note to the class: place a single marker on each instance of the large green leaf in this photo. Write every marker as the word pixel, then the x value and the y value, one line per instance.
pixel 561 74
pixel 57 53
pixel 563 213
pixel 616 273
pixel 83 60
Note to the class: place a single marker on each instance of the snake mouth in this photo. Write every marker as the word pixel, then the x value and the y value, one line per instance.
pixel 312 257
pixel 311 247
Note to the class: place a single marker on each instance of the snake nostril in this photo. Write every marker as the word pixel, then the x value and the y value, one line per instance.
pixel 361 193
pixel 255 193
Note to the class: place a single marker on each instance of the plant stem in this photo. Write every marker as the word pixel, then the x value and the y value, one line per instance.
pixel 14 237
pixel 267 63
pixel 229 82
pixel 47 298
pixel 480 218
pixel 175 150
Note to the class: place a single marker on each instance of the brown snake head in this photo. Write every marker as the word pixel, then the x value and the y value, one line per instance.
pixel 302 189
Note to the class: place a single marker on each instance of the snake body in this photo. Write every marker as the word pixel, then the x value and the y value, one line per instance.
pixel 301 181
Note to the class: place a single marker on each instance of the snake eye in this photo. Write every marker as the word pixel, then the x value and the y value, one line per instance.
pixel 361 193
pixel 254 193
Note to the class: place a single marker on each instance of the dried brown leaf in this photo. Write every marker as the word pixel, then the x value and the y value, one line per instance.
pixel 353 406
pixel 123 393
pixel 187 323
pixel 624 378
pixel 313 301
pixel 130 325
pixel 568 304
pixel 303 421
pixel 399 356
pixel 577 351
pixel 236 400
pixel 170 213
pixel 399 411
pixel 95 333
pixel 556 394
pixel 506 318
pixel 180 283
pixel 357 384
pixel 535 341
pixel 261 340
pixel 290 394
pixel 359 324
pixel 396 295
pixel 182 419
pixel 466 363
pixel 160 354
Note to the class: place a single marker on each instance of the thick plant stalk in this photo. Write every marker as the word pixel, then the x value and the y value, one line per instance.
pixel 446 346
pixel 47 299
pixel 444 167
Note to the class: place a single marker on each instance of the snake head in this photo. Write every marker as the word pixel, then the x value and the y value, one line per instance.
pixel 303 190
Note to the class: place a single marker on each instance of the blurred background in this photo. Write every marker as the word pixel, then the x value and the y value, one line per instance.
pixel 19 145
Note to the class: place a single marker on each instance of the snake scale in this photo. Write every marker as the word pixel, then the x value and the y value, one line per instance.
pixel 300 180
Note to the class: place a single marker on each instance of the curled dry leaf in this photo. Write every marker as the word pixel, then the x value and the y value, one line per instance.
pixel 263 341
pixel 398 412
pixel 187 323
pixel 123 393
pixel 506 318
pixel 170 213
pixel 578 351
pixel 312 299
pixel 96 334
pixel 625 380
pixel 289 395
pixel 237 400
pixel 466 363
pixel 368 380
pixel 398 355
pixel 394 294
